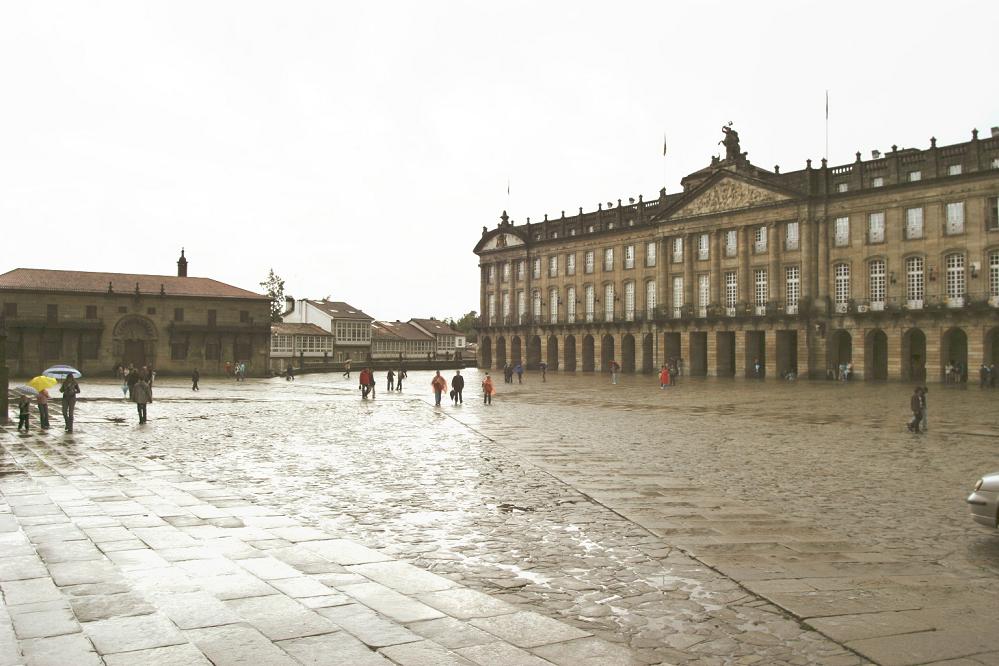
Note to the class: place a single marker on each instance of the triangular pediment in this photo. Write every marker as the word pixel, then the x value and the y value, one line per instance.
pixel 500 241
pixel 727 192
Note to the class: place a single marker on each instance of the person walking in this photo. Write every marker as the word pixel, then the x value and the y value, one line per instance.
pixel 922 405
pixel 664 377
pixel 916 406
pixel 519 369
pixel 362 383
pixel 142 394
pixel 439 384
pixel 289 374
pixel 23 412
pixel 983 375
pixel 346 368
pixel 544 371
pixel 614 370
pixel 457 385
pixel 390 381
pixel 43 408
pixel 195 378
pixel 371 382
pixel 130 380
pixel 488 390
pixel 69 389
pixel 398 379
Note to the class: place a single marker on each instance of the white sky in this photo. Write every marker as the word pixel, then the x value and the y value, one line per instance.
pixel 359 148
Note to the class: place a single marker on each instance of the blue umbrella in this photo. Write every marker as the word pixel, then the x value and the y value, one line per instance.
pixel 24 390
pixel 62 371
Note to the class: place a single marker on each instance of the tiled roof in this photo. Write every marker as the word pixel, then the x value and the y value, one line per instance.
pixel 435 326
pixel 298 329
pixel 40 279
pixel 339 310
pixel 398 329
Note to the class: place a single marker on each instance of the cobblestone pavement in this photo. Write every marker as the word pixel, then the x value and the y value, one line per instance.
pixel 649 476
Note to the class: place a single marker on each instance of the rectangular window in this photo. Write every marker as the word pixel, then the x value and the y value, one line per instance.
pixel 588 262
pixel 491 272
pixel 650 297
pixel 553 305
pixel 792 288
pixel 52 313
pixel 841 273
pixel 91 312
pixel 760 283
pixel 791 236
pixel 992 214
pixel 955 279
pixel 731 242
pixel 731 290
pixel 570 264
pixel 650 254
pixel 877 284
pixel 589 301
pixel 913 223
pixel 609 302
pixel 954 170
pixel 505 298
pixel 553 266
pixel 702 246
pixel 994 163
pixel 842 187
pixel 213 316
pixel 570 304
pixel 677 296
pixel 629 256
pixel 178 351
pixel 521 306
pixel 955 218
pixel 150 311
pixel 521 269
pixel 10 310
pixel 178 314
pixel 122 309
pixel 629 301
pixel 703 294
pixel 506 271
pixel 876 228
pixel 491 307
pixel 914 284
pixel 760 239
pixel 842 232
pixel 609 259
pixel 536 268
pixel 677 250
pixel 877 181
pixel 994 274
pixel 244 316
pixel 915 176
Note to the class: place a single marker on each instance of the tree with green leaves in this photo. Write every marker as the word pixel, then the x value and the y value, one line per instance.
pixel 466 325
pixel 274 287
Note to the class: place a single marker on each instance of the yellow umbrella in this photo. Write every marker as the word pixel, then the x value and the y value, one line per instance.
pixel 41 382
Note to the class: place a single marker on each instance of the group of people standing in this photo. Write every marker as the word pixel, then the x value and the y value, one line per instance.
pixel 366 380
pixel 439 385
pixel 69 390
pixel 137 386
pixel 510 370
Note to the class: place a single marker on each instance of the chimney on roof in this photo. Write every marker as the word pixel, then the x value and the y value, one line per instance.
pixel 995 131
pixel 875 154
pixel 182 265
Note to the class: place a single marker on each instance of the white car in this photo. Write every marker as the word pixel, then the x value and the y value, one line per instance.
pixel 984 501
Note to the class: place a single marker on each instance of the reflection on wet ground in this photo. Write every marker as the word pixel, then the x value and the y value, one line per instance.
pixel 468 491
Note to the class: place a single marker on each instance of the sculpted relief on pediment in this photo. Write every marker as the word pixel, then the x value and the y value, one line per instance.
pixel 730 194
pixel 501 241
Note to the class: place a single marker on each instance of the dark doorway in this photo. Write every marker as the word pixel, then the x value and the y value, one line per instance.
pixel 588 365
pixel 486 353
pixel 671 346
pixel 725 354
pixel 787 353
pixel 628 353
pixel 648 354
pixel 914 355
pixel 756 354
pixel 698 362
pixel 500 352
pixel 515 351
pixel 839 353
pixel 876 355
pixel 534 352
pixel 135 353
pixel 954 350
pixel 570 353
pixel 606 352
pixel 552 352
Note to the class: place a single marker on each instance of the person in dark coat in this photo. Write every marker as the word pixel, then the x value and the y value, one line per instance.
pixel 195 378
pixel 142 394
pixel 916 405
pixel 69 390
pixel 131 379
pixel 457 385
pixel 390 380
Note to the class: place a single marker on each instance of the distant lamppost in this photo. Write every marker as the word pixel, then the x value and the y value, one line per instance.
pixel 4 378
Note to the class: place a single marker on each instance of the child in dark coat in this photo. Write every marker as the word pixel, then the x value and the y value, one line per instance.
pixel 23 410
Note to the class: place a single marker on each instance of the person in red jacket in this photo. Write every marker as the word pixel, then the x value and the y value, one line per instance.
pixel 664 377
pixel 439 384
pixel 365 383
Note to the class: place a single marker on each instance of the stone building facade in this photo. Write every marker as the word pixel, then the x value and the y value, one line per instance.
pixel 94 321
pixel 890 264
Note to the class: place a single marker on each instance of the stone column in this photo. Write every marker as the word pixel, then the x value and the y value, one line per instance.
pixel 934 339
pixel 740 353
pixel 894 351
pixel 976 350
pixel 804 349
pixel 685 352
pixel 712 351
pixel 770 353
pixel 543 356
pixel 859 354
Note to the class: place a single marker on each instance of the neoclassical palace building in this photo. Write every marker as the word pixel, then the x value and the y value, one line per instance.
pixel 889 263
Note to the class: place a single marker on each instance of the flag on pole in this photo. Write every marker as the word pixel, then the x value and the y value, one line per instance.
pixel 508 187
pixel 827 105
pixel 664 144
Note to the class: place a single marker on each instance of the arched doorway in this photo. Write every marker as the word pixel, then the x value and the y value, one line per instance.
pixel 914 355
pixel 628 353
pixel 606 351
pixel 500 352
pixel 515 351
pixel 990 349
pixel 134 341
pixel 876 355
pixel 587 353
pixel 570 353
pixel 839 352
pixel 648 358
pixel 954 350
pixel 534 352
pixel 552 352
pixel 486 353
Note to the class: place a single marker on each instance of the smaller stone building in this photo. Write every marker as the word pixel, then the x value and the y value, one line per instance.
pixel 448 343
pixel 399 340
pixel 95 321
pixel 350 327
pixel 299 346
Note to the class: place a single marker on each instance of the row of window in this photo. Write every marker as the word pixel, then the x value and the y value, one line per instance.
pixel 877 283
pixel 352 331
pixel 916 175
pixel 90 312
pixel 281 343
pixel 953 223
pixel 402 345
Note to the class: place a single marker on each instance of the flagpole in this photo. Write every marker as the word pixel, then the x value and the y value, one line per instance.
pixel 827 126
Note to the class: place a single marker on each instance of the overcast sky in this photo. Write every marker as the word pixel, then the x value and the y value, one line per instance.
pixel 359 148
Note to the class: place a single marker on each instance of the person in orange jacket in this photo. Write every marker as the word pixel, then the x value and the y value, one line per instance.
pixel 488 390
pixel 664 377
pixel 439 385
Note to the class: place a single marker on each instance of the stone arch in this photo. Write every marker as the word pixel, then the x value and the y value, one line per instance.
pixel 534 352
pixel 553 352
pixel 500 352
pixel 606 351
pixel 486 353
pixel 990 346
pixel 588 365
pixel 516 351
pixel 876 355
pixel 628 353
pixel 569 353
pixel 914 355
pixel 648 353
pixel 839 351
pixel 954 349
pixel 134 341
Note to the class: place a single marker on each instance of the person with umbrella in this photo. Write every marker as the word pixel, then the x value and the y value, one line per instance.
pixel 41 384
pixel 69 389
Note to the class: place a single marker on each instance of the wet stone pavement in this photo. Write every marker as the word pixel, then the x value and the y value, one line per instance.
pixel 715 522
